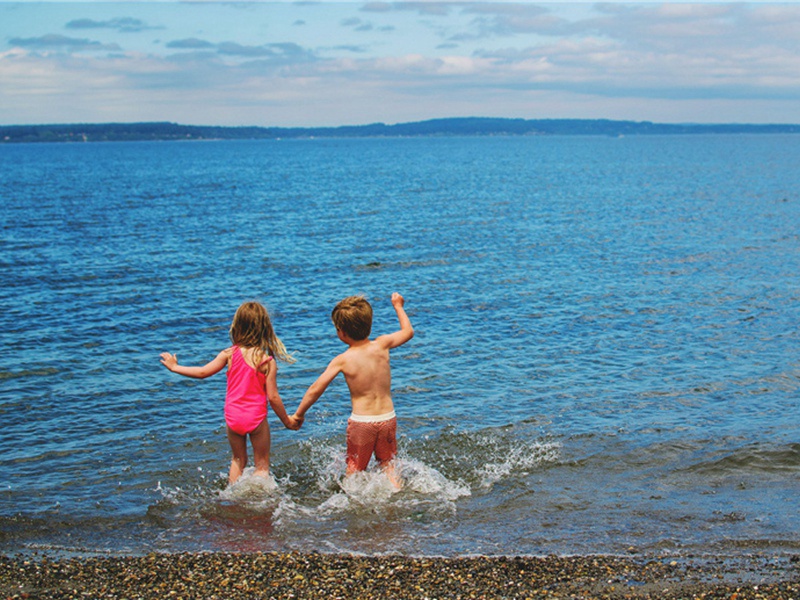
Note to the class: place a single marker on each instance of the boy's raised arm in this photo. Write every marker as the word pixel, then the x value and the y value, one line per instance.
pixel 398 338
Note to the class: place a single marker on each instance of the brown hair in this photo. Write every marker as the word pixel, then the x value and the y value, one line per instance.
pixel 252 328
pixel 353 317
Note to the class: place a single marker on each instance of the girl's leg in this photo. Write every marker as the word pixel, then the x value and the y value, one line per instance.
pixel 260 439
pixel 239 449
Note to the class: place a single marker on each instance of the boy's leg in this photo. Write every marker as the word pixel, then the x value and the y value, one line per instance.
pixel 391 474
pixel 386 450
pixel 239 450
pixel 260 439
pixel 360 445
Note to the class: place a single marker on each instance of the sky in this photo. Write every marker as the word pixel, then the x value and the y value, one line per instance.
pixel 309 64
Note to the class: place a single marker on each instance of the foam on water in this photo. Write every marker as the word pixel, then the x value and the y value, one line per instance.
pixel 318 495
pixel 312 498
pixel 334 494
pixel 517 460
pixel 427 481
pixel 250 489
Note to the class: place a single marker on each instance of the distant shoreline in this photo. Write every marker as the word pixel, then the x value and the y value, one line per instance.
pixel 470 126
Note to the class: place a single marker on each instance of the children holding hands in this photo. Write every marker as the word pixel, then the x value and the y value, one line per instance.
pixel 252 383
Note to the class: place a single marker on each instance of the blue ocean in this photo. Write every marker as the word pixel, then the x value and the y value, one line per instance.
pixel 606 356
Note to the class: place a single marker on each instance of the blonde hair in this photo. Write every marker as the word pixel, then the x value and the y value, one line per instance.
pixel 252 328
pixel 353 316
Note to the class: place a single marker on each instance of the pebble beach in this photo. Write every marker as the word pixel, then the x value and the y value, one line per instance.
pixel 311 575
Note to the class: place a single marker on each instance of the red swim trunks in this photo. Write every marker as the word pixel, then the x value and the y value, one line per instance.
pixel 368 435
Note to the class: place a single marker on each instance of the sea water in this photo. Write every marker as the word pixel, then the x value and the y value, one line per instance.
pixel 605 359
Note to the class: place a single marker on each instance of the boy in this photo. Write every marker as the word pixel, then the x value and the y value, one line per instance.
pixel 372 426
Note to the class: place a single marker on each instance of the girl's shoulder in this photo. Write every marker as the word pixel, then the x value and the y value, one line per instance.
pixel 255 357
pixel 227 354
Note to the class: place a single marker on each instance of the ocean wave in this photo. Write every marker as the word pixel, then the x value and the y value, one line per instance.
pixel 755 458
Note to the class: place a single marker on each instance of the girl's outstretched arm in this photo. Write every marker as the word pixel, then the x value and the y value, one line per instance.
pixel 215 366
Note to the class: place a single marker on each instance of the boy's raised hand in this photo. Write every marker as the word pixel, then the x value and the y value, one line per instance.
pixel 398 338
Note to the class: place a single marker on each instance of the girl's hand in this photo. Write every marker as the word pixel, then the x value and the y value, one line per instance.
pixel 169 360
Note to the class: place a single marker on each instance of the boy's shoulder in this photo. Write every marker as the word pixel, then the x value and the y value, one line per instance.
pixel 344 357
pixel 356 349
pixel 358 352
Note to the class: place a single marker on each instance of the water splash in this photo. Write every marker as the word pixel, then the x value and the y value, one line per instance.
pixel 428 481
pixel 520 459
pixel 327 491
pixel 252 489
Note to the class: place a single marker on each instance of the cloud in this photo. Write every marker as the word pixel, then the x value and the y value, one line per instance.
pixel 292 51
pixel 122 24
pixel 282 52
pixel 351 48
pixel 612 68
pixel 423 8
pixel 357 24
pixel 697 28
pixel 501 20
pixel 55 41
pixel 279 53
pixel 286 90
pixel 615 60
pixel 190 44
pixel 234 49
pixel 480 20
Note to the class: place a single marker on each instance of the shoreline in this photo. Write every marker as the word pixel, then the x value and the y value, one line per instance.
pixel 232 576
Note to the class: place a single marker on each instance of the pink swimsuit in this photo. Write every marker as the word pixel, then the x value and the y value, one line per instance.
pixel 246 400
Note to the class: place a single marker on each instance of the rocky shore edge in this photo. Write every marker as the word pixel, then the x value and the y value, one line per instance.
pixel 232 576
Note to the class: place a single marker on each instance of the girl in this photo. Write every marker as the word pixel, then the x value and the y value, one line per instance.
pixel 252 381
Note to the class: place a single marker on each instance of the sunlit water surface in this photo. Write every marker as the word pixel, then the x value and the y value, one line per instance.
pixel 605 360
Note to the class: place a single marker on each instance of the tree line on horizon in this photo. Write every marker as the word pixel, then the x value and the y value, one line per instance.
pixel 467 126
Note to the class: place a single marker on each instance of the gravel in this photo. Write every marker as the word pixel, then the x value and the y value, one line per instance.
pixel 230 576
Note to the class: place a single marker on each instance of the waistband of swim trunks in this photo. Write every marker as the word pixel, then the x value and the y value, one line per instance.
pixel 372 418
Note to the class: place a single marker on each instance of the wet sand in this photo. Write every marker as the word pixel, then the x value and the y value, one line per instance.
pixel 329 576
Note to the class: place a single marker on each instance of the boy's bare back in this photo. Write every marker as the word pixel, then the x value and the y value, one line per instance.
pixel 366 370
pixel 365 365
